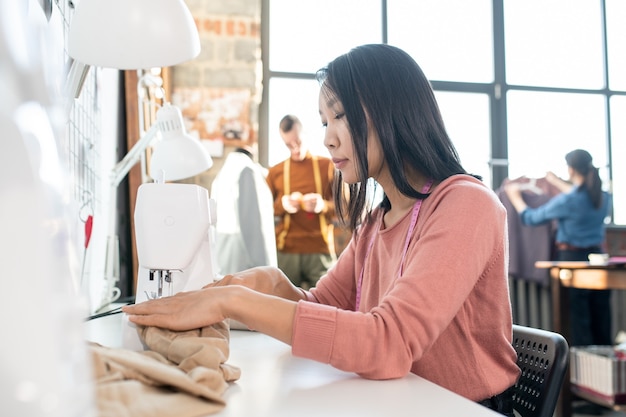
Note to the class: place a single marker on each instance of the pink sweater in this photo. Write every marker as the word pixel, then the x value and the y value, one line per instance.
pixel 447 318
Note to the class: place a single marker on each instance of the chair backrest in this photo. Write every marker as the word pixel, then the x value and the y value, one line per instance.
pixel 543 357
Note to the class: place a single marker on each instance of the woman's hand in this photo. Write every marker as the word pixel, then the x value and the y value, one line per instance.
pixel 264 279
pixel 291 203
pixel 552 178
pixel 562 185
pixel 515 196
pixel 312 203
pixel 183 311
pixel 512 188
pixel 262 298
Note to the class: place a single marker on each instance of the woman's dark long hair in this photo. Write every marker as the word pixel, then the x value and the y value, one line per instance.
pixel 581 161
pixel 385 85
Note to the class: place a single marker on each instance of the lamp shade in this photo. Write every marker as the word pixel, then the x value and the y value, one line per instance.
pixel 133 34
pixel 178 155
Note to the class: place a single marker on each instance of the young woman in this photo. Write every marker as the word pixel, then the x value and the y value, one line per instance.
pixel 580 212
pixel 422 285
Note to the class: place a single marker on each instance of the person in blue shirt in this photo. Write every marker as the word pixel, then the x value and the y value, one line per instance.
pixel 580 211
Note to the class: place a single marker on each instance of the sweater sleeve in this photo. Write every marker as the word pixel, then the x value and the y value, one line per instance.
pixel 556 208
pixel 459 241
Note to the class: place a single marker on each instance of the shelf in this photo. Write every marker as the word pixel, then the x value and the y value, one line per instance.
pixel 596 400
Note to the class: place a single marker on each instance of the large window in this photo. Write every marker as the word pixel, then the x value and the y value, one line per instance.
pixel 554 43
pixel 618 150
pixel 544 126
pixel 520 82
pixel 298 97
pixel 467 122
pixel 451 40
pixel 305 35
pixel 616 43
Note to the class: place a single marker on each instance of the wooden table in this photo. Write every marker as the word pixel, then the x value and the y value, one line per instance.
pixel 583 275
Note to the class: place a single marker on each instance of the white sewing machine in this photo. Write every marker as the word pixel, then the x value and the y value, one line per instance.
pixel 173 231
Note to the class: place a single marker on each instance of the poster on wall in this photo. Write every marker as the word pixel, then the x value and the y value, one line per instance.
pixel 220 117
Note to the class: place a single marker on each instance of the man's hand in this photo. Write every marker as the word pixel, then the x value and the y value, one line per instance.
pixel 312 203
pixel 292 202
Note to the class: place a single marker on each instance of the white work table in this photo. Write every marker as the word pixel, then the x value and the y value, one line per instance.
pixel 274 383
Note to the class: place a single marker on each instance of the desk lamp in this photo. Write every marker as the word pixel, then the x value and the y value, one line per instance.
pixel 138 34
pixel 129 34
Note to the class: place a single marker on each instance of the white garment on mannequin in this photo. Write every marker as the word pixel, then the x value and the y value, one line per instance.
pixel 245 216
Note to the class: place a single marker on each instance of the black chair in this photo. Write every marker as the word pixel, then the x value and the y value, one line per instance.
pixel 543 357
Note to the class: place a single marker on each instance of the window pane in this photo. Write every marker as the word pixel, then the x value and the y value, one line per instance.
pixel 467 121
pixel 306 35
pixel 452 40
pixel 618 150
pixel 543 127
pixel 555 43
pixel 300 98
pixel 616 43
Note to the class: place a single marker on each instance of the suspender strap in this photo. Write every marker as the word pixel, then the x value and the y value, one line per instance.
pixel 280 241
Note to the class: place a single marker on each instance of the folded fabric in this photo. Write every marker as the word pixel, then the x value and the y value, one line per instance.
pixel 182 374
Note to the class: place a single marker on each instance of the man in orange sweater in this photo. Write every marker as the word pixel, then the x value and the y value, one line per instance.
pixel 303 208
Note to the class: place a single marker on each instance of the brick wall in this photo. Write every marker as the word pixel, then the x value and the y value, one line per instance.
pixel 230 60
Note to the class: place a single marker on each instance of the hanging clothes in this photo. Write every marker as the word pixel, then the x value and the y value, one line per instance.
pixel 529 244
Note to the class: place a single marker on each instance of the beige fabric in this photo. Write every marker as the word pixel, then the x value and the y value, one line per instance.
pixel 183 374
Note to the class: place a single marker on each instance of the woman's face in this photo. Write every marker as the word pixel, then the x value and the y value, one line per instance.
pixel 339 143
